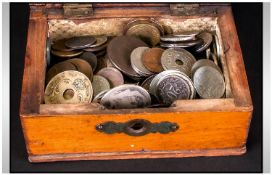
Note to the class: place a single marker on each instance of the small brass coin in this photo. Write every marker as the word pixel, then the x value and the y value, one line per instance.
pixel 80 42
pixel 113 75
pixel 59 45
pixel 207 40
pixel 68 87
pixel 82 66
pixel 99 84
pixel 66 54
pixel 90 58
pixel 152 59
pixel 183 44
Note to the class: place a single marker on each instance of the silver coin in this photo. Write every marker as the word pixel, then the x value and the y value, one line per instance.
pixel 174 38
pixel 99 84
pixel 80 42
pixel 136 61
pixel 217 49
pixel 48 51
pixel 180 60
pixel 209 82
pixel 125 97
pixel 204 62
pixel 146 83
pixel 100 40
pixel 113 75
pixel 184 44
pixel 99 96
pixel 207 40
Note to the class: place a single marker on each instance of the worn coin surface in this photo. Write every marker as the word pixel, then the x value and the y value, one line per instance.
pixel 96 49
pixel 59 45
pixel 99 96
pixel 209 82
pixel 178 59
pixel 48 50
pixel 151 21
pixel 126 96
pixel 66 54
pixel 99 84
pixel 68 87
pixel 119 50
pixel 113 75
pixel 136 61
pixel 152 59
pixel 204 62
pixel 90 58
pixel 80 42
pixel 82 66
pixel 207 40
pixel 183 44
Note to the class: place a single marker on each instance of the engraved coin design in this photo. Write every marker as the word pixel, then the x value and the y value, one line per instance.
pixel 82 66
pixel 66 54
pixel 136 61
pixel 204 62
pixel 152 59
pixel 68 87
pixel 99 84
pixel 90 58
pixel 178 59
pixel 126 96
pixel 99 96
pixel 113 75
pixel 80 42
pixel 207 40
pixel 209 82
pixel 59 45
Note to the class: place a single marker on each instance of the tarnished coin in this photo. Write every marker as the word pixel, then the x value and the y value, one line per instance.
pixel 58 68
pixel 119 50
pixel 178 59
pixel 146 83
pixel 48 50
pixel 207 40
pixel 167 30
pixel 96 49
pixel 59 45
pixel 68 87
pixel 126 96
pixel 136 61
pixel 183 44
pixel 99 84
pixel 66 54
pixel 209 82
pixel 99 96
pixel 204 62
pixel 82 66
pixel 113 75
pixel 80 42
pixel 90 58
pixel 152 59
pixel 151 21
pixel 100 40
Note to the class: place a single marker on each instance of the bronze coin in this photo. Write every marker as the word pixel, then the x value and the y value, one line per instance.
pixel 96 49
pixel 119 50
pixel 90 58
pixel 82 66
pixel 66 54
pixel 145 21
pixel 152 59
pixel 80 42
pixel 59 45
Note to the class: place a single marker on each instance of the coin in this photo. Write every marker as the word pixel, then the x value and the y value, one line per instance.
pixel 183 44
pixel 100 53
pixel 99 96
pixel 152 60
pixel 146 32
pixel 180 37
pixel 146 83
pixel 58 68
pixel 204 62
pixel 217 48
pixel 207 40
pixel 136 61
pixel 82 66
pixel 126 96
pixel 80 42
pixel 119 50
pixel 209 82
pixel 145 21
pixel 59 45
pixel 167 30
pixel 100 40
pixel 178 59
pixel 96 49
pixel 66 54
pixel 48 50
pixel 99 84
pixel 90 58
pixel 68 87
pixel 113 75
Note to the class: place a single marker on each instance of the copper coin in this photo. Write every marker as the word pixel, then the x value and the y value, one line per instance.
pixel 66 54
pixel 114 76
pixel 58 68
pixel 207 40
pixel 82 66
pixel 59 45
pixel 80 42
pixel 119 50
pixel 90 58
pixel 96 49
pixel 145 21
pixel 152 59
pixel 181 44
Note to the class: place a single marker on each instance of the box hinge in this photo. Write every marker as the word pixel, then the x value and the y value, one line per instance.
pixel 77 10
pixel 184 9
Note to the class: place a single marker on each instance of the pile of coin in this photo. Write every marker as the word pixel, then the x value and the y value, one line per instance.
pixel 148 66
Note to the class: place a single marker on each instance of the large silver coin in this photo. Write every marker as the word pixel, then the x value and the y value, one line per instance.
pixel 99 84
pixel 180 60
pixel 136 61
pixel 204 62
pixel 113 75
pixel 209 82
pixel 184 44
pixel 126 97
pixel 68 87
pixel 179 37
pixel 207 40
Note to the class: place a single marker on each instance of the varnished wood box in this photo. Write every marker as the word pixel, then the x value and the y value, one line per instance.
pixel 207 127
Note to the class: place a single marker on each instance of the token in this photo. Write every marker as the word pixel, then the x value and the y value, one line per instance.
pixel 99 96
pixel 146 83
pixel 82 66
pixel 204 62
pixel 126 97
pixel 209 82
pixel 178 59
pixel 207 40
pixel 90 58
pixel 152 60
pixel 59 45
pixel 66 54
pixel 136 61
pixel 68 87
pixel 99 84
pixel 113 75
pixel 183 44
pixel 80 42
pixel 119 50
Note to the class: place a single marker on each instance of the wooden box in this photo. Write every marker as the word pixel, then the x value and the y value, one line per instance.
pixel 207 127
